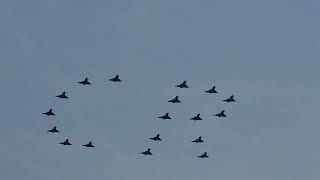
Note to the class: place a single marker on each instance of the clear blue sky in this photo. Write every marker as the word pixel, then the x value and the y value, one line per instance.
pixel 265 52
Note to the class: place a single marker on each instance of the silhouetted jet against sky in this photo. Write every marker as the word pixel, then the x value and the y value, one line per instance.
pixel 53 130
pixel 230 99
pixel 198 140
pixel 221 114
pixel 147 152
pixel 89 144
pixel 204 155
pixel 212 90
pixel 166 116
pixel 196 118
pixel 66 143
pixel 115 79
pixel 49 113
pixel 63 95
pixel 175 100
pixel 85 82
pixel 183 85
pixel 156 138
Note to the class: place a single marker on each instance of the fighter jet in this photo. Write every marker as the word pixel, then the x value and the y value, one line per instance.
pixel 204 155
pixel 198 140
pixel 221 114
pixel 166 116
pixel 66 143
pixel 183 85
pixel 147 152
pixel 115 79
pixel 53 130
pixel 175 100
pixel 85 82
pixel 156 138
pixel 49 113
pixel 230 99
pixel 63 95
pixel 212 90
pixel 196 118
pixel 89 144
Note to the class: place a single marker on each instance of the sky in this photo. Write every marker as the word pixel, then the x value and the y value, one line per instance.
pixel 265 52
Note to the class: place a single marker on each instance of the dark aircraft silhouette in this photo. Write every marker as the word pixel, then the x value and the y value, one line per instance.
pixel 221 114
pixel 212 90
pixel 63 95
pixel 53 130
pixel 183 85
pixel 147 152
pixel 49 113
pixel 156 138
pixel 204 155
pixel 198 140
pixel 89 144
pixel 66 143
pixel 115 79
pixel 166 116
pixel 175 100
pixel 230 99
pixel 85 82
pixel 196 118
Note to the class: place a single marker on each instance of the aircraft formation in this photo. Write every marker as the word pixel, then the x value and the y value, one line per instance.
pixel 166 116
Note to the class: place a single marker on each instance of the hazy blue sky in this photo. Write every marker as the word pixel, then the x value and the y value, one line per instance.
pixel 265 52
